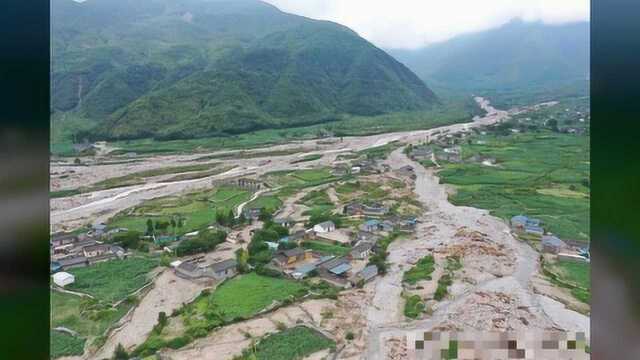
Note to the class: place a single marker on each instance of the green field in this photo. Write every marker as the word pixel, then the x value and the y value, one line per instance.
pixel 576 274
pixel 198 209
pixel 246 295
pixel 90 319
pixel 540 174
pixel 413 307
pixel 421 271
pixel 65 345
pixel 290 344
pixel 326 249
pixel 113 280
pixel 270 202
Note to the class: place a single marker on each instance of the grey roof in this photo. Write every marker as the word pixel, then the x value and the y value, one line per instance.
pixel 334 263
pixel 340 269
pixel 361 247
pixel 305 269
pixel 99 226
pixel 72 260
pixel 188 266
pixel 326 224
pixel 533 228
pixel 552 241
pixel 224 265
pixel 294 252
pixel 368 272
pixel 97 247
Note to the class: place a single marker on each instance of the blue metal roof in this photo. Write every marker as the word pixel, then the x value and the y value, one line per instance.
pixel 341 269
pixel 372 222
pixel 305 269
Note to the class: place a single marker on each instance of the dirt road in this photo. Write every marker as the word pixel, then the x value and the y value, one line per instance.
pixel 168 293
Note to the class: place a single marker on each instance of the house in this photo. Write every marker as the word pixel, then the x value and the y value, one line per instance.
pixel 407 170
pixel 362 250
pixel 352 209
pixel 285 222
pixel 387 226
pixel 552 244
pixel 303 271
pixel 63 279
pixel 365 275
pixel 272 245
pixel 339 171
pixel 367 236
pixel 289 257
pixel 71 262
pixel 188 270
pixel 374 210
pixel 407 224
pixel 519 221
pixel 96 250
pixel 332 263
pixel 355 169
pixel 63 239
pixel 224 269
pixel 98 229
pixel 324 227
pixel 370 226
pixel 527 224
pixel 421 153
pixel 252 213
pixel 175 264
pixel 55 266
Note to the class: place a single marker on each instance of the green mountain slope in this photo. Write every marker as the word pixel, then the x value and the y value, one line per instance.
pixel 517 60
pixel 194 68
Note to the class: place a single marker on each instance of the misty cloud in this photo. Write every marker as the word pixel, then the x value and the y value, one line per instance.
pixel 415 23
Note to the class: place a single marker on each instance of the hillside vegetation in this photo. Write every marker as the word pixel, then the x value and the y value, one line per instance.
pixel 194 68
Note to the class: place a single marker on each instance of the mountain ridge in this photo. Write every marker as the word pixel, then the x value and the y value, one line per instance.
pixel 193 68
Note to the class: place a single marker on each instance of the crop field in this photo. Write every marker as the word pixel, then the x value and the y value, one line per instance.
pixel 290 344
pixel 113 280
pixel 269 202
pixel 196 209
pixel 296 180
pixel 413 306
pixel 578 274
pixel 65 345
pixel 246 295
pixel 421 271
pixel 88 318
pixel 326 249
pixel 544 175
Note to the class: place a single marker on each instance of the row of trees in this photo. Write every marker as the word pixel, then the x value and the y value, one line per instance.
pixel 162 226
pixel 206 240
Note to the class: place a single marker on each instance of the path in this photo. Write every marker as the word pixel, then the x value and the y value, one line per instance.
pixel 169 293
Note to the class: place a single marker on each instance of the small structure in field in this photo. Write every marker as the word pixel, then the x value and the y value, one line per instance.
pixel 365 275
pixel 362 250
pixel 285 222
pixel 224 269
pixel 63 279
pixel 552 244
pixel 324 227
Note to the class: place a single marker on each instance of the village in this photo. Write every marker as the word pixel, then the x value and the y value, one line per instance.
pixel 359 239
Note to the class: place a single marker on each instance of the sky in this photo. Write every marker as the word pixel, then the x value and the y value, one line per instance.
pixel 411 24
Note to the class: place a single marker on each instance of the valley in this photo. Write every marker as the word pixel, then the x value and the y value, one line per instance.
pixel 321 233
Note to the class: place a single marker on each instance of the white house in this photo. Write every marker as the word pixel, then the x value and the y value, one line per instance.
pixel 63 278
pixel 324 227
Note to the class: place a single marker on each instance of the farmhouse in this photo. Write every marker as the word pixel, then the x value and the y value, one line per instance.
pixel 63 279
pixel 289 257
pixel 303 271
pixel 224 269
pixel 552 245
pixel 532 229
pixel 367 236
pixel 188 270
pixel 324 227
pixel 286 222
pixel 355 169
pixel 71 262
pixel 370 226
pixel 361 251
pixel 252 214
pixel 353 208
pixel 407 170
pixel 365 275
pixel 374 210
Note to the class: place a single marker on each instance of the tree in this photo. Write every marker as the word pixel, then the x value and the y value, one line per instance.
pixel 242 257
pixel 149 227
pixel 120 353
pixel 553 125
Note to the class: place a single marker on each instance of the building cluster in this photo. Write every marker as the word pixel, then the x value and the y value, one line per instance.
pixel 196 269
pixel 68 251
pixel 549 243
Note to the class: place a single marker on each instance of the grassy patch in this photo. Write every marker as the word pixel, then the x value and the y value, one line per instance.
pixel 541 174
pixel 578 274
pixel 290 344
pixel 326 249
pixel 65 345
pixel 197 209
pixel 114 280
pixel 413 306
pixel 421 271
pixel 270 202
pixel 443 287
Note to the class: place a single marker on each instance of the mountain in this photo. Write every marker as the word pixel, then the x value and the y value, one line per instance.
pixel 189 68
pixel 518 59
